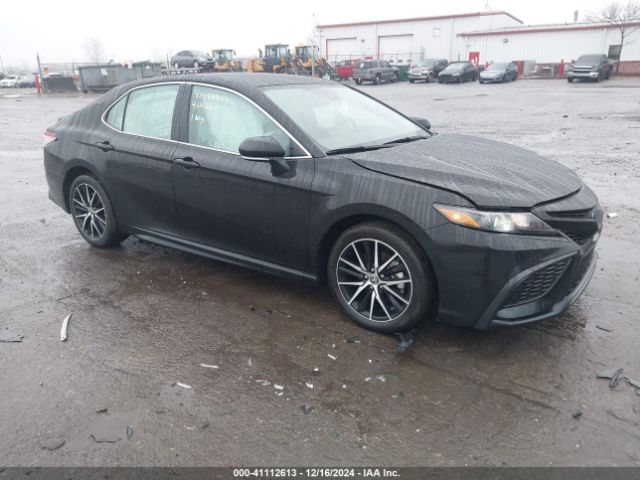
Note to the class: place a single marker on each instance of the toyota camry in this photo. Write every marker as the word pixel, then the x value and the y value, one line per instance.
pixel 318 181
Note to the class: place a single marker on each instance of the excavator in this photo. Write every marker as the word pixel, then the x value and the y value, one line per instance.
pixel 306 56
pixel 224 61
pixel 277 59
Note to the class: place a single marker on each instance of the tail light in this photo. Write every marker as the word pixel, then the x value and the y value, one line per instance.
pixel 49 136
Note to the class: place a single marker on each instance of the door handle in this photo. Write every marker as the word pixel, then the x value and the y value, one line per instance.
pixel 105 146
pixel 187 163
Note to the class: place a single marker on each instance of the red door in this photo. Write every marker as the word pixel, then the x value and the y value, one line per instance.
pixel 474 57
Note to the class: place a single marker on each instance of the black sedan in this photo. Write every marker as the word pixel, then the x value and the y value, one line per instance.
pixel 317 181
pixel 499 73
pixel 458 72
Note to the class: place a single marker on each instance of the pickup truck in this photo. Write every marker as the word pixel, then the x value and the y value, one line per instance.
pixel 591 67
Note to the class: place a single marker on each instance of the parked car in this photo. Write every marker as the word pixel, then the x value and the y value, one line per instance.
pixel 590 67
pixel 192 59
pixel 10 81
pixel 499 72
pixel 458 72
pixel 427 70
pixel 314 180
pixel 376 71
pixel 26 81
pixel 344 68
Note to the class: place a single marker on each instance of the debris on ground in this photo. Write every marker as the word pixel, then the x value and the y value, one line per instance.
pixel 315 372
pixel 53 444
pixel 206 365
pixel 577 414
pixel 183 385
pixel 204 425
pixel 633 382
pixel 406 339
pixel 249 362
pixel 381 377
pixel 612 215
pixel 102 410
pixel 602 327
pixel 310 385
pixel 263 382
pixel 305 409
pixel 9 336
pixel 278 387
pixel 331 356
pixel 129 432
pixel 614 375
pixel 102 439
pixel 252 308
pixel 399 395
pixel 64 328
pixel 368 379
pixel 352 340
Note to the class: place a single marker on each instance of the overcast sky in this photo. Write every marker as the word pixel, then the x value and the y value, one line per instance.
pixel 139 30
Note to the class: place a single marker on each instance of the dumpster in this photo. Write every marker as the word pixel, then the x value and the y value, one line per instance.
pixel 403 72
pixel 102 78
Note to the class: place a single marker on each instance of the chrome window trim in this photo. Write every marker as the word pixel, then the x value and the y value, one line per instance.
pixel 106 110
pixel 209 85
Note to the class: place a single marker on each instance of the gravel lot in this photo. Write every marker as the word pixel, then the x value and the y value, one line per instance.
pixel 146 317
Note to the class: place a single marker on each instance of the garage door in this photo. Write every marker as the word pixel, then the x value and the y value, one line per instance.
pixel 396 48
pixel 343 49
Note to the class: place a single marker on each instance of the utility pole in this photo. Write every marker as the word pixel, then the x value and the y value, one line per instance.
pixel 313 49
pixel 1 63
pixel 40 73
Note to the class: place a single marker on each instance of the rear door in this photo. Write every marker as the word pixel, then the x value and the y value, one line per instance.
pixel 227 202
pixel 137 151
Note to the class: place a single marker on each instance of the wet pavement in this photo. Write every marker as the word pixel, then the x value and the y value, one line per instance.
pixel 145 318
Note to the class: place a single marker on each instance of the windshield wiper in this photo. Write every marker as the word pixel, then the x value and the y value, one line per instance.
pixel 357 148
pixel 407 139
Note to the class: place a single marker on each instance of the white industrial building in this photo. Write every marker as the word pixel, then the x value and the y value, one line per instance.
pixel 481 37
pixel 550 43
pixel 405 40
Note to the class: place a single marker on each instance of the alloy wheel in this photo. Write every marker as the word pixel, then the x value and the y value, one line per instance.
pixel 88 211
pixel 374 280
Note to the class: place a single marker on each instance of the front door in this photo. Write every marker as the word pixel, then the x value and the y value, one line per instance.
pixel 227 202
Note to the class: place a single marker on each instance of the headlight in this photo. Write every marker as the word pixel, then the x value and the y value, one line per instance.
pixel 502 222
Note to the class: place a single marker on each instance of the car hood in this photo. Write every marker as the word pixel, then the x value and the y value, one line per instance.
pixel 490 174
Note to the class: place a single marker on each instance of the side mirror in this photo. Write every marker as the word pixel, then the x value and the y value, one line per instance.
pixel 265 149
pixel 423 122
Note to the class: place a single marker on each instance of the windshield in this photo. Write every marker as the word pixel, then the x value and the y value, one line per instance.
pixel 497 66
pixel 198 53
pixel 339 117
pixel 589 59
pixel 428 63
pixel 455 67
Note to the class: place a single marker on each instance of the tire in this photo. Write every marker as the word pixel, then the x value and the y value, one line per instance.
pixel 415 290
pixel 176 65
pixel 429 78
pixel 87 196
pixel 394 78
pixel 569 79
pixel 481 81
pixel 377 79
pixel 196 64
pixel 411 80
pixel 358 81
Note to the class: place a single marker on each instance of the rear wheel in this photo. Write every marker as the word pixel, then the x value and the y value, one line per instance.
pixel 377 79
pixel 380 278
pixel 358 81
pixel 176 65
pixel 411 80
pixel 92 213
pixel 569 79
pixel 196 64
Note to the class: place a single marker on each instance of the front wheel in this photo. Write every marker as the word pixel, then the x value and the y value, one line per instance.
pixel 92 213
pixel 176 65
pixel 358 81
pixel 381 279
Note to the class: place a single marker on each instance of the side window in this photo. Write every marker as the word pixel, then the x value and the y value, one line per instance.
pixel 150 111
pixel 223 120
pixel 115 116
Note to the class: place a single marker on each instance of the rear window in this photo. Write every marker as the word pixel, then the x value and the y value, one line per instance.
pixel 149 111
pixel 364 65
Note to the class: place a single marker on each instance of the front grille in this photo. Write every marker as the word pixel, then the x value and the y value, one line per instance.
pixel 537 284
pixel 588 213
pixel 579 237
pixel 580 271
